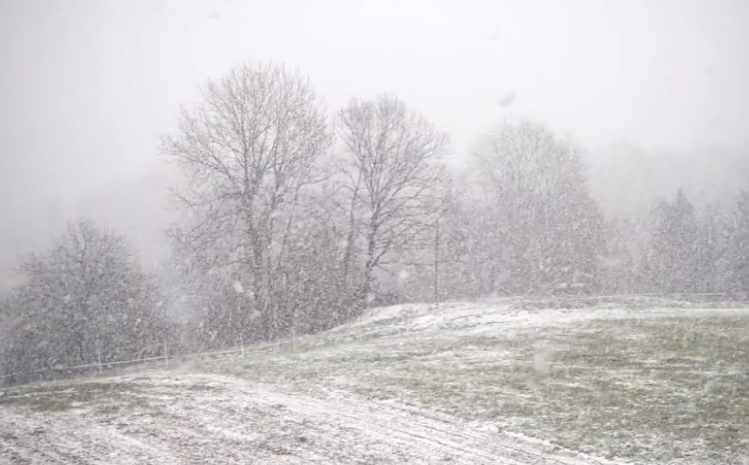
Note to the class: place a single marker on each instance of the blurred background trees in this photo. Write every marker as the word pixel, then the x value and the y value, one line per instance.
pixel 291 221
pixel 550 228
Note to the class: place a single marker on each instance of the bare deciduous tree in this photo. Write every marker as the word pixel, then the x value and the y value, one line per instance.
pixel 391 175
pixel 249 152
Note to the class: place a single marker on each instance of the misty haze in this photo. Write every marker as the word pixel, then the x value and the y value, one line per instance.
pixel 374 232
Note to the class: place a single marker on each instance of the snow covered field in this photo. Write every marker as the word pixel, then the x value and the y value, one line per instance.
pixel 508 382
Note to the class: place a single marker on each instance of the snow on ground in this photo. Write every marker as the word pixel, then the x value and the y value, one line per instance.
pixel 505 382
pixel 167 418
pixel 510 313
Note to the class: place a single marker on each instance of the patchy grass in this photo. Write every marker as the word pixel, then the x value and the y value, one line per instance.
pixel 641 384
pixel 670 389
pixel 58 397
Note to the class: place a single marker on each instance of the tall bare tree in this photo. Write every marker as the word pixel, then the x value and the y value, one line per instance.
pixel 249 152
pixel 391 175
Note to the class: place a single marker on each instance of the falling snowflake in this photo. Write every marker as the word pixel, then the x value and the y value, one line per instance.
pixel 507 99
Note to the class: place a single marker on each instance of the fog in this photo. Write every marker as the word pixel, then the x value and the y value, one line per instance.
pixel 656 92
pixel 379 231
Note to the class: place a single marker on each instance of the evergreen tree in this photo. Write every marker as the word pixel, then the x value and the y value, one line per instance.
pixel 618 264
pixel 671 256
pixel 740 245
pixel 712 250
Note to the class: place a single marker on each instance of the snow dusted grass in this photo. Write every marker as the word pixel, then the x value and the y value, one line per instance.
pixel 61 397
pixel 507 382
pixel 641 384
pixel 198 418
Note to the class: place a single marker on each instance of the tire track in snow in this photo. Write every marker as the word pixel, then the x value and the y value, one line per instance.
pixel 406 426
pixel 231 421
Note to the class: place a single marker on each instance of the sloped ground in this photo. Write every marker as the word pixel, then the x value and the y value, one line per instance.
pixel 500 383
pixel 167 418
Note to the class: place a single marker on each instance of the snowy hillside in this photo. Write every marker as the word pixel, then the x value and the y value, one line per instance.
pixel 507 382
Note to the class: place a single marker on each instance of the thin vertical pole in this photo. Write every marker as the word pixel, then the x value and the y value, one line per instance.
pixel 436 259
pixel 293 336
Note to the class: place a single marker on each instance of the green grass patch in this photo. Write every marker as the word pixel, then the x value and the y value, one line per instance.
pixel 57 397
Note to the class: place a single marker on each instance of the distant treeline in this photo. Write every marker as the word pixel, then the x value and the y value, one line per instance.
pixel 293 222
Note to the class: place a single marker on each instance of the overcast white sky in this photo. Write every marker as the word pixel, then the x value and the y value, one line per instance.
pixel 88 86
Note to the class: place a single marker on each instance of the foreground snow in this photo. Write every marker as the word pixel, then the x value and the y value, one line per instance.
pixel 169 418
pixel 500 383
